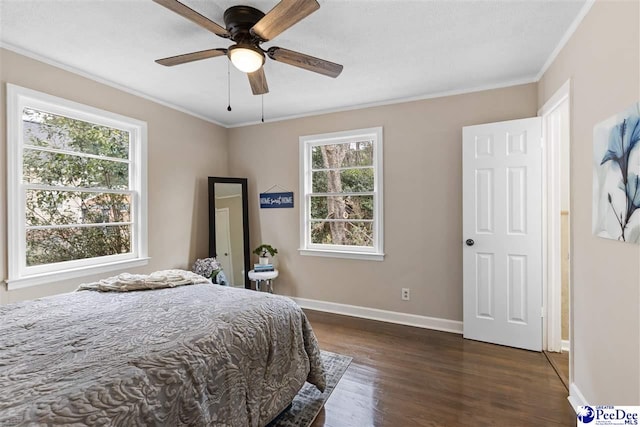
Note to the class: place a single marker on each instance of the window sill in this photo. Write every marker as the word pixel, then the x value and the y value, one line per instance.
pixel 367 256
pixel 40 279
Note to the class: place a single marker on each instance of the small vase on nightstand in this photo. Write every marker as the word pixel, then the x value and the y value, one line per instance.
pixel 263 260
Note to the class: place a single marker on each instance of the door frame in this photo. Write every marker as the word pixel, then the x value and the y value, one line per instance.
pixel 551 226
pixel 230 275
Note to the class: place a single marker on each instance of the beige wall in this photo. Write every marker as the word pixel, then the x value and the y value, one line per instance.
pixel 602 59
pixel 182 152
pixel 422 192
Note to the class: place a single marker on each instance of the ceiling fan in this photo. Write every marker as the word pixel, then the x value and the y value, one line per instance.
pixel 248 27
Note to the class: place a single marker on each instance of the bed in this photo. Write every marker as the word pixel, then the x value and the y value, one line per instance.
pixel 197 355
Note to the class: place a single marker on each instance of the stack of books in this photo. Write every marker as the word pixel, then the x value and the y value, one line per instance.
pixel 262 268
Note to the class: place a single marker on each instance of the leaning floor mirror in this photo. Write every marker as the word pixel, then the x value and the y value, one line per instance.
pixel 229 228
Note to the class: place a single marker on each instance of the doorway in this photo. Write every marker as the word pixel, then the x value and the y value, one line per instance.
pixel 223 243
pixel 494 293
pixel 556 127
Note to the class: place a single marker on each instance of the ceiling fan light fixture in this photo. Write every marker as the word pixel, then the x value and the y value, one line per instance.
pixel 246 58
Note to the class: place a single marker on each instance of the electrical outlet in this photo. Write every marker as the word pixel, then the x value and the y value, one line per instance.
pixel 406 295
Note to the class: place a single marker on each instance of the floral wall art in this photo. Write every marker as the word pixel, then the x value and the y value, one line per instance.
pixel 616 177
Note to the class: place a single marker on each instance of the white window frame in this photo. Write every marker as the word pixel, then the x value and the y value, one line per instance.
pixel 374 253
pixel 21 275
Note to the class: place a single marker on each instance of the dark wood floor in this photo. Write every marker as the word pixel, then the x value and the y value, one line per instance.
pixel 404 376
pixel 560 362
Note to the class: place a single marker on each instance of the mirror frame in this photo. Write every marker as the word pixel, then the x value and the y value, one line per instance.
pixel 245 220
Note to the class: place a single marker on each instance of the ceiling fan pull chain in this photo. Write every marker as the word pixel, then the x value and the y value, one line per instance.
pixel 228 86
pixel 262 98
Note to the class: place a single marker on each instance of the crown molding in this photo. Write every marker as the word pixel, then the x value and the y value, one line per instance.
pixel 565 38
pixel 404 100
pixel 101 80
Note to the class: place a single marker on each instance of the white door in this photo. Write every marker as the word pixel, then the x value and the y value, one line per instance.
pixel 223 243
pixel 502 233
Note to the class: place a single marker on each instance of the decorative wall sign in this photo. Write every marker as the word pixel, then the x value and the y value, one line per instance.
pixel 276 200
pixel 616 177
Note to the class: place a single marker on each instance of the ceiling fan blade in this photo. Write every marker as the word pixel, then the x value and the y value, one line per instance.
pixel 190 57
pixel 258 82
pixel 192 15
pixel 282 16
pixel 307 62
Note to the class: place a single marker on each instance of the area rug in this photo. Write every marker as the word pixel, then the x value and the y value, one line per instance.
pixel 309 401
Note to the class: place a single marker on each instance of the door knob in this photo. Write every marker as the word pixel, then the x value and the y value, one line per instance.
pixel 226 254
pixel 469 242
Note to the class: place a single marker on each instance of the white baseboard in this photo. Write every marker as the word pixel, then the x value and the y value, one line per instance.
pixel 565 345
pixel 438 324
pixel 576 398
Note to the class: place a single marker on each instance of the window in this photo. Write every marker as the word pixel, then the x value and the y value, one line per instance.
pixel 341 185
pixel 76 189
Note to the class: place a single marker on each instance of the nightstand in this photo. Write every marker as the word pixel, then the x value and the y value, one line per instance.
pixel 263 277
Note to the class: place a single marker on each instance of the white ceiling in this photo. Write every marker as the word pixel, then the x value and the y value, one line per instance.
pixel 391 50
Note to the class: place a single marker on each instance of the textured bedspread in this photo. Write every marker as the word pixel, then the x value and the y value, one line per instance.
pixel 191 355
